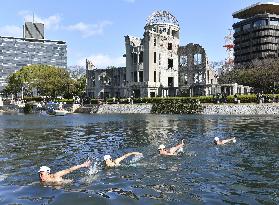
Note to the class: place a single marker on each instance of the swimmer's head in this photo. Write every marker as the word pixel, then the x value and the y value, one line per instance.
pixel 161 147
pixel 216 139
pixel 107 157
pixel 44 169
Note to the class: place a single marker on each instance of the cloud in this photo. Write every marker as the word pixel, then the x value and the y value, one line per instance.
pixel 11 30
pixel 50 22
pixel 88 30
pixel 103 61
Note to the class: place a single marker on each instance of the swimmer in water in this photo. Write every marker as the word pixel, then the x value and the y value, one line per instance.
pixel 109 162
pixel 170 151
pixel 217 141
pixel 46 177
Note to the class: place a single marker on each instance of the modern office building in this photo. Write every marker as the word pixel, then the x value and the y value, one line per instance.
pixel 257 32
pixel 31 49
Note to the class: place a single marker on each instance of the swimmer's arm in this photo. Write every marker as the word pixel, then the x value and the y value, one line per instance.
pixel 118 160
pixel 71 169
pixel 177 147
pixel 228 140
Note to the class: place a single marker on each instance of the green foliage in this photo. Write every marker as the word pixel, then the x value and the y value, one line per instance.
pixel 48 80
pixel 28 108
pixel 262 75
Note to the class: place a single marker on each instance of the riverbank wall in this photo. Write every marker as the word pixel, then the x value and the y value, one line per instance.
pixel 208 109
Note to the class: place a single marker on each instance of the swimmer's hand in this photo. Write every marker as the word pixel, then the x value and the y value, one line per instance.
pixel 138 153
pixel 86 164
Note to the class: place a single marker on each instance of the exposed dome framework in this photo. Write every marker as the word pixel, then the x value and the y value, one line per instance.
pixel 161 17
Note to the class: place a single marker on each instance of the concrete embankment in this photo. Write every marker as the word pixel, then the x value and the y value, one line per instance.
pixel 208 109
pixel 242 109
pixel 116 108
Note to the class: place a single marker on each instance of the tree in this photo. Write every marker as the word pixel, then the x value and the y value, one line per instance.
pixel 262 75
pixel 48 80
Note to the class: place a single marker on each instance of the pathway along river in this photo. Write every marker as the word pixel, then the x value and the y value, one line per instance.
pixel 246 172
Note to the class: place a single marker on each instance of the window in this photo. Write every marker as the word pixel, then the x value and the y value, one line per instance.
pixel 170 82
pixel 197 59
pixel 154 41
pixel 141 57
pixel 154 57
pixel 238 29
pixel 152 94
pixel 246 27
pixel 135 77
pixel 154 76
pixel 169 46
pixel 135 57
pixel 132 76
pixel 140 76
pixel 170 63
pixel 183 60
pixel 259 23
pixel 185 79
pixel 274 22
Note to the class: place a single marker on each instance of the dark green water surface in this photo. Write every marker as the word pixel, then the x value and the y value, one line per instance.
pixel 246 172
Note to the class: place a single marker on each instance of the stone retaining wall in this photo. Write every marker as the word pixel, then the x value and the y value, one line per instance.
pixel 219 109
pixel 124 108
pixel 242 109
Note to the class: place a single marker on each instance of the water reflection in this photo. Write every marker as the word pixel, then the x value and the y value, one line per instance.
pixel 246 172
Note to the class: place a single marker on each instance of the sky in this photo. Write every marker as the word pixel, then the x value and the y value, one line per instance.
pixel 95 29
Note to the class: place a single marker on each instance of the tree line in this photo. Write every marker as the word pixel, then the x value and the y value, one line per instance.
pixel 262 75
pixel 46 80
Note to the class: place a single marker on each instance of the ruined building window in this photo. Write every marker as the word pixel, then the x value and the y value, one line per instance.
pixel 185 79
pixel 141 57
pixel 154 76
pixel 140 76
pixel 135 77
pixel 197 59
pixel 159 58
pixel 154 41
pixel 169 46
pixel 170 63
pixel 183 60
pixel 135 58
pixel 154 57
pixel 170 82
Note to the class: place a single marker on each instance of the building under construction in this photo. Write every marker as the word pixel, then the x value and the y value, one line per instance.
pixel 257 33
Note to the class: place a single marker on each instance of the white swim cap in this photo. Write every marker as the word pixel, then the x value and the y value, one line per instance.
pixel 106 157
pixel 44 169
pixel 216 138
pixel 162 146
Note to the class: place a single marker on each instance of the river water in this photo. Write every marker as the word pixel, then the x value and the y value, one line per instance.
pixel 246 172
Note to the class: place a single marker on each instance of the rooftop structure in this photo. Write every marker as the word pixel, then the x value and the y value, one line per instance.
pixel 161 17
pixel 258 8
